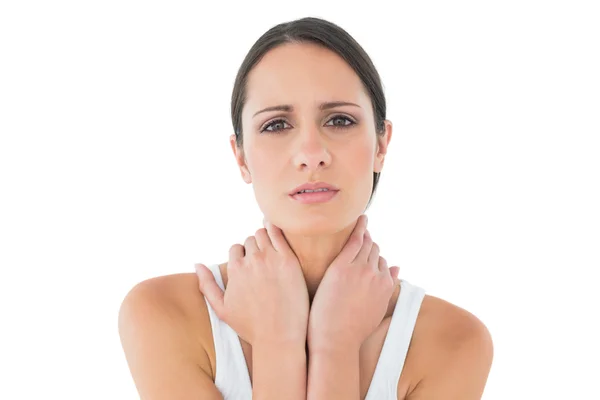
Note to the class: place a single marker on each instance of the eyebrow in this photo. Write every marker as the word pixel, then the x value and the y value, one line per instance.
pixel 322 106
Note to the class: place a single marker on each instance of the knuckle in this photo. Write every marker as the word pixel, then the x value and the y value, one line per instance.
pixel 366 273
pixel 356 241
pixel 233 265
pixel 256 257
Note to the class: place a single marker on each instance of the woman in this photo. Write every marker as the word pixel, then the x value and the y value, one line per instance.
pixel 305 308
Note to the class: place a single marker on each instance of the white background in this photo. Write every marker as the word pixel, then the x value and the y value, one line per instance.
pixel 115 167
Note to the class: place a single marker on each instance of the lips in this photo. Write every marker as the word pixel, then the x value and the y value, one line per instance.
pixel 313 186
pixel 315 197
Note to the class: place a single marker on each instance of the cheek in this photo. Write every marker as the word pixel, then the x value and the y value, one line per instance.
pixel 256 158
pixel 362 167
pixel 361 158
pixel 266 168
pixel 265 162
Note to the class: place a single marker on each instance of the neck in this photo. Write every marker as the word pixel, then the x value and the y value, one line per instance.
pixel 316 253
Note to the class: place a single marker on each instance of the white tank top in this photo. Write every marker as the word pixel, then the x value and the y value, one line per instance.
pixel 232 377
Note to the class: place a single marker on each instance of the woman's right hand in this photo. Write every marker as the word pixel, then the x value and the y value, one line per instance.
pixel 266 298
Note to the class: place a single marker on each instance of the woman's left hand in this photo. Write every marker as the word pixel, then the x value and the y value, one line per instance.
pixel 353 297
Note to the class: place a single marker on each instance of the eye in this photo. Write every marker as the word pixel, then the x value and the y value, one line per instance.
pixel 342 125
pixel 271 124
pixel 345 123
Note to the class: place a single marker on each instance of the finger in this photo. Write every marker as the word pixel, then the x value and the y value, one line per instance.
pixel 210 289
pixel 235 252
pixel 355 241
pixel 394 271
pixel 262 239
pixel 373 257
pixel 364 220
pixel 365 250
pixel 278 240
pixel 250 245
pixel 382 264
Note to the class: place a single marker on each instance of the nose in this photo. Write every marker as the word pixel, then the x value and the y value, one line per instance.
pixel 312 151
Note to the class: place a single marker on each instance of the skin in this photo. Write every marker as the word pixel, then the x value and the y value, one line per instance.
pixel 305 146
pixel 308 147
pixel 163 322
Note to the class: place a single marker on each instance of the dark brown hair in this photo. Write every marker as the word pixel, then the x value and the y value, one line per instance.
pixel 324 33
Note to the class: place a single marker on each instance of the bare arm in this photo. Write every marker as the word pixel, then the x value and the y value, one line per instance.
pixel 159 349
pixel 333 373
pixel 463 367
pixel 279 371
pixel 168 361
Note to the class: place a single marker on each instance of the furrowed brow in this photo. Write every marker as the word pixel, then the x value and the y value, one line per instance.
pixel 322 106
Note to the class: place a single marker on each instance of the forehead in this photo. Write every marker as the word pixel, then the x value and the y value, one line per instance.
pixel 302 74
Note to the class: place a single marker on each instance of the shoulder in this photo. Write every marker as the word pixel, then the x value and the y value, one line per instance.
pixel 456 352
pixel 170 310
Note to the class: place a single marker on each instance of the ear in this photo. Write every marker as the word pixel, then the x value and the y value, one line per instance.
pixel 382 146
pixel 240 159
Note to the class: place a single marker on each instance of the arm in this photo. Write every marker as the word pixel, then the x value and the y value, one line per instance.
pixel 159 350
pixel 279 371
pixel 333 373
pixel 462 370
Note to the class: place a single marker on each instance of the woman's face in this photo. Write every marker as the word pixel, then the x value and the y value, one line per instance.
pixel 284 149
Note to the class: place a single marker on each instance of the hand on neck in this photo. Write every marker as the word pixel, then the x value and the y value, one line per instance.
pixel 316 253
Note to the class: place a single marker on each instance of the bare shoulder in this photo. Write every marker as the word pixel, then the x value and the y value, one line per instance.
pixel 164 327
pixel 455 352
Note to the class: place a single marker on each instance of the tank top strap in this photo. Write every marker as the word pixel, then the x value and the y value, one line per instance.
pixel 231 376
pixel 384 384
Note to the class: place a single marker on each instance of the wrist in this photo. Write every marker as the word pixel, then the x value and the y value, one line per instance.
pixel 279 345
pixel 275 338
pixel 332 358
pixel 333 347
pixel 279 370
